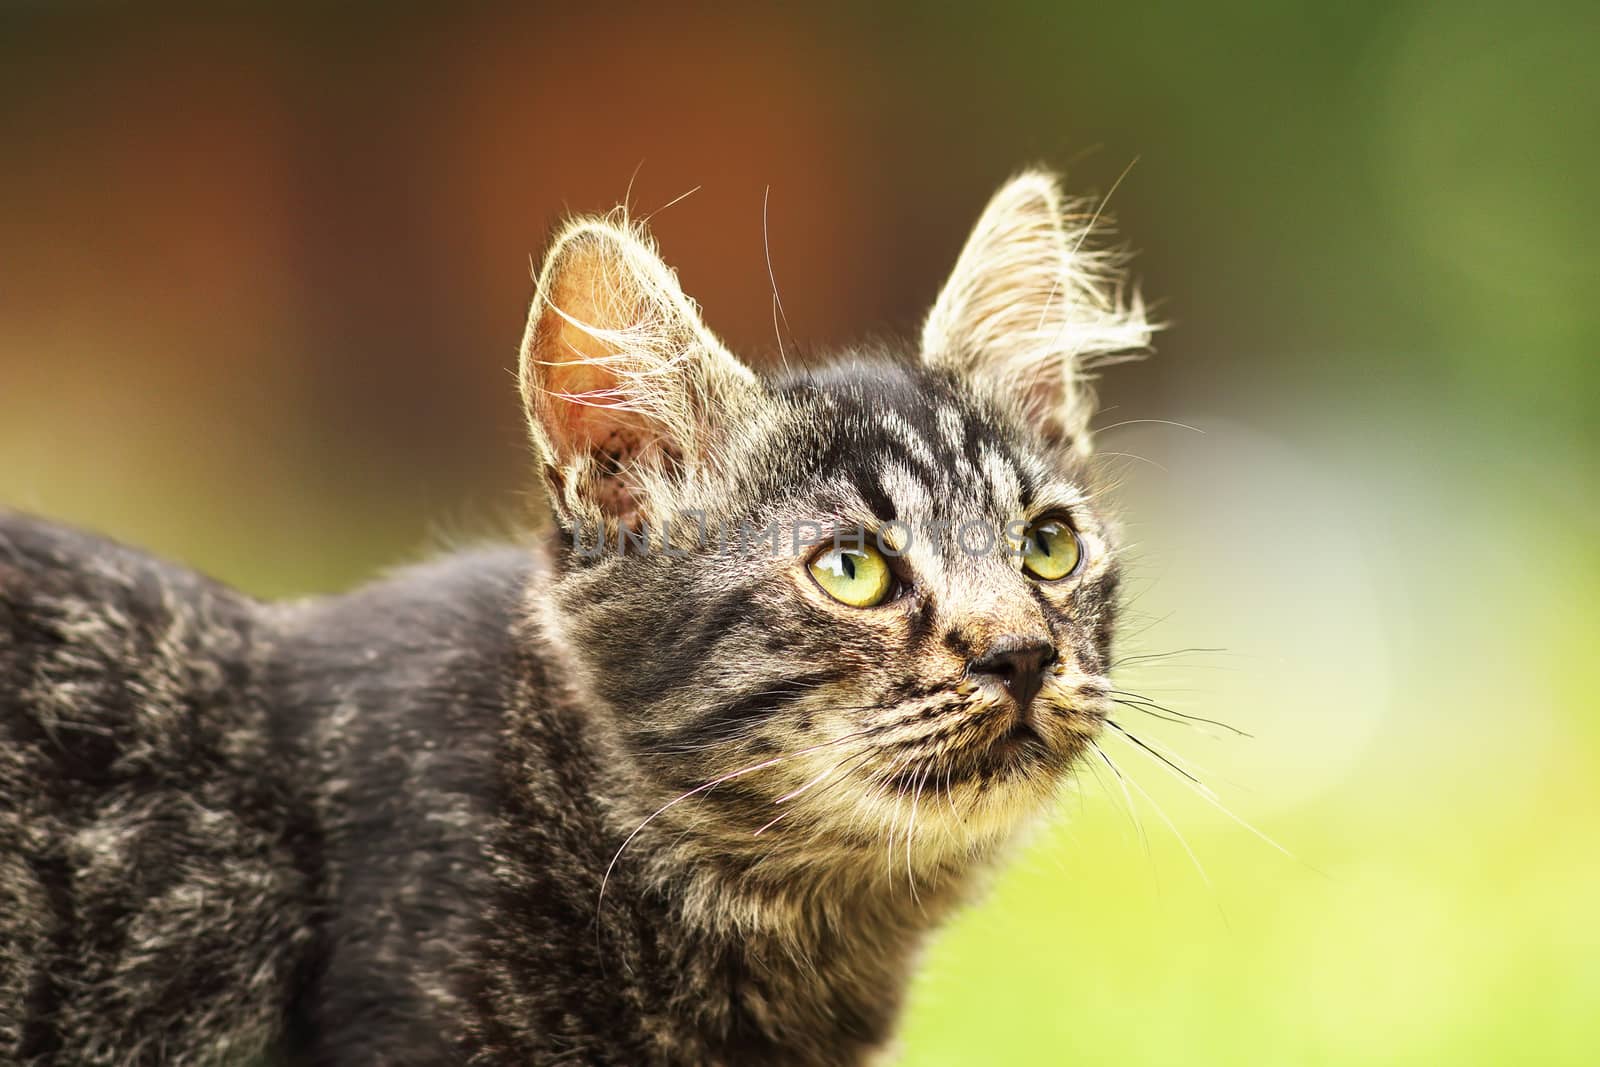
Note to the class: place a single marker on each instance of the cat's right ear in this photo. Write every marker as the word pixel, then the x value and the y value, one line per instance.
pixel 1033 306
pixel 623 385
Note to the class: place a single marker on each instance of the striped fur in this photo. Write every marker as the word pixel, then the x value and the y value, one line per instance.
pixel 568 802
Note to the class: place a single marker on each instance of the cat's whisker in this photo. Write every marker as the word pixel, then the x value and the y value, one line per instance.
pixel 1142 657
pixel 1151 422
pixel 1176 833
pixel 888 846
pixel 1134 700
pixel 773 822
pixel 1103 453
pixel 1156 711
pixel 911 829
pixel 948 828
pixel 1133 812
pixel 1154 620
pixel 889 779
pixel 1204 792
pixel 844 763
pixel 797 792
pixel 750 731
pixel 1187 764
pixel 1175 768
pixel 1147 711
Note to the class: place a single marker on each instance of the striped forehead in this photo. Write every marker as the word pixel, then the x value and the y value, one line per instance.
pixel 908 446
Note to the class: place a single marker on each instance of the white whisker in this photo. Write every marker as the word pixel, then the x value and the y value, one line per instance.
pixel 1176 833
pixel 1205 793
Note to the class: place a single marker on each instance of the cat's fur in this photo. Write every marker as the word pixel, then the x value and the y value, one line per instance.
pixel 384 828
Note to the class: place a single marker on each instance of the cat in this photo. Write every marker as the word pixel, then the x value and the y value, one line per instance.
pixel 671 784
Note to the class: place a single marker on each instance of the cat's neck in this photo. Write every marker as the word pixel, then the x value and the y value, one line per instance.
pixel 833 933
pixel 833 945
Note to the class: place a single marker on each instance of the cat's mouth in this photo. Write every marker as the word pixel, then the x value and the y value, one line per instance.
pixel 1017 743
pixel 1019 750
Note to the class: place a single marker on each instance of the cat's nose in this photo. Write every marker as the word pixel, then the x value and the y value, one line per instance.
pixel 1019 661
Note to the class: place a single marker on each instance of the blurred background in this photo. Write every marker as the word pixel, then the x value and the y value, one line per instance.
pixel 263 273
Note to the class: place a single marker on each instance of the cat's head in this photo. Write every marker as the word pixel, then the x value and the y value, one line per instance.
pixel 865 598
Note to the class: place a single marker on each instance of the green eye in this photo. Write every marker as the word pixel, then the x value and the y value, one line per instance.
pixel 1050 549
pixel 856 576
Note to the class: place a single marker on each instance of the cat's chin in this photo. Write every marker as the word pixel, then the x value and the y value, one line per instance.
pixel 983 794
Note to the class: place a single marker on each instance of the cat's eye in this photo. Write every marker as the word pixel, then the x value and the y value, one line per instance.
pixel 854 575
pixel 1051 549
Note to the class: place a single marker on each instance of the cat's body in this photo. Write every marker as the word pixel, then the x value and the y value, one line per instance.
pixel 547 804
pixel 257 843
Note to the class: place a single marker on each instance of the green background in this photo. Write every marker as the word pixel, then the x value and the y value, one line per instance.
pixel 262 275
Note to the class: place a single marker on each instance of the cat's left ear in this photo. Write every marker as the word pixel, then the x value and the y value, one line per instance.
pixel 625 388
pixel 1031 308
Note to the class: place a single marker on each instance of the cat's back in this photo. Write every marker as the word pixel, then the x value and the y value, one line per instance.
pixel 152 907
pixel 114 665
pixel 401 688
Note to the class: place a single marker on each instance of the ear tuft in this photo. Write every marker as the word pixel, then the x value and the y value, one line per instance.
pixel 622 383
pixel 1032 306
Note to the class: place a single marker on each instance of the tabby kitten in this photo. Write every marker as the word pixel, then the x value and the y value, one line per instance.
pixel 677 785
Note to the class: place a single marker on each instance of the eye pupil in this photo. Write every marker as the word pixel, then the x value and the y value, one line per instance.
pixel 1050 550
pixel 859 577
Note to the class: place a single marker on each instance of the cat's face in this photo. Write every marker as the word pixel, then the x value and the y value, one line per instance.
pixel 873 598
